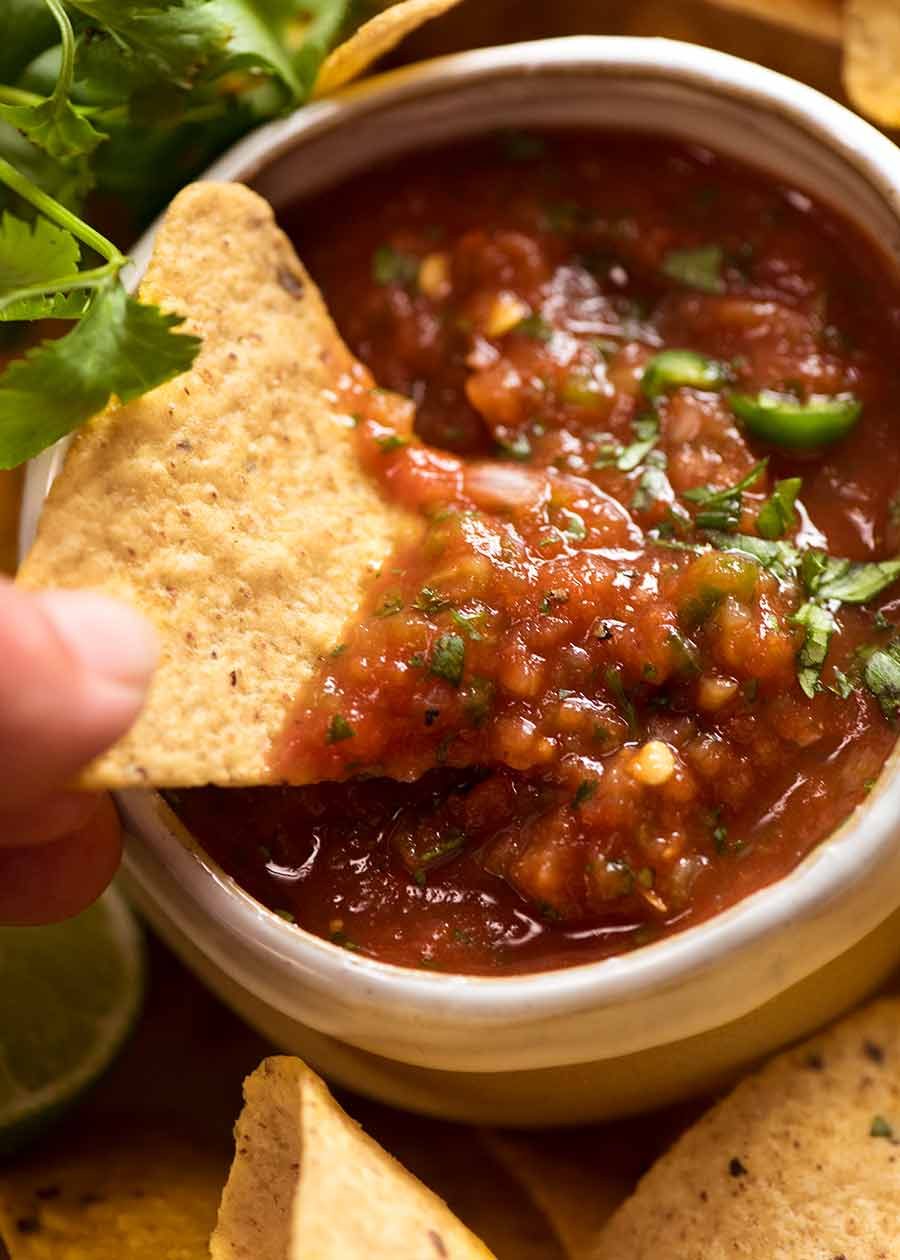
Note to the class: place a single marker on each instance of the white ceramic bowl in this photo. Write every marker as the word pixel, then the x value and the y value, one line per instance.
pixel 673 1017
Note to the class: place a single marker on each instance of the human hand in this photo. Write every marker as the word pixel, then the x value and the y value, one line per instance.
pixel 74 668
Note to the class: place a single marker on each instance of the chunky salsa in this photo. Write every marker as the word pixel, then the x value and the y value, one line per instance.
pixel 643 657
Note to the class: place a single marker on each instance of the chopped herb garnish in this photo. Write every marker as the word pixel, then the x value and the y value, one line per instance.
pixel 721 509
pixel 646 877
pixel 654 485
pixel 720 838
pixel 699 268
pixel 882 677
pixel 572 524
pixel 553 599
pixel 881 1128
pixel 518 448
pixel 393 266
pixel 339 650
pixel 616 686
pixel 391 605
pixel 391 442
pixel 779 558
pixel 819 626
pixel 534 326
pixel 452 844
pixel 830 577
pixel 674 369
pixel 286 915
pixel 646 433
pixel 342 939
pixel 430 601
pixel 477 699
pixel 777 516
pixel 448 658
pixel 842 686
pixel 470 621
pixel 584 792
pixel 784 420
pixel 339 729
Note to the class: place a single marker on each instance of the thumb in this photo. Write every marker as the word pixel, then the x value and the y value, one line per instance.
pixel 74 667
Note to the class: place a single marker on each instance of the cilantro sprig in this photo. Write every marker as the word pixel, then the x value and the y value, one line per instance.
pixel 119 347
pixel 130 98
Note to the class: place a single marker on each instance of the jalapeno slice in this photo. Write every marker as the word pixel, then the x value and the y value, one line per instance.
pixel 671 369
pixel 785 421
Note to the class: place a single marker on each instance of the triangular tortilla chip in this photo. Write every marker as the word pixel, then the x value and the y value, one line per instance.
pixel 126 1195
pixel 308 1184
pixel 374 39
pixel 872 58
pixel 227 505
pixel 801 1162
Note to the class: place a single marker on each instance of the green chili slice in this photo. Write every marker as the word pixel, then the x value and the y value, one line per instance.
pixel 671 369
pixel 785 421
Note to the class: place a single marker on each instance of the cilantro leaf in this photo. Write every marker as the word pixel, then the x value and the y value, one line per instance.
pixel 779 558
pixel 121 347
pixel 819 625
pixel 777 515
pixel 34 253
pixel 178 40
pixel 646 432
pixel 882 677
pixel 721 509
pixel 54 125
pixel 852 583
pixel 699 268
pixel 448 658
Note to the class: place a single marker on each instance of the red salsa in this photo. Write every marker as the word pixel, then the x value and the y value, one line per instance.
pixel 643 658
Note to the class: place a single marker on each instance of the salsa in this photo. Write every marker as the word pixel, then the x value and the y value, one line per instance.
pixel 644 656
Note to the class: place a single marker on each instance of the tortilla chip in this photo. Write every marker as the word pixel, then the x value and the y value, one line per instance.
pixel 872 58
pixel 227 505
pixel 308 1184
pixel 145 1198
pixel 373 39
pixel 818 19
pixel 800 1162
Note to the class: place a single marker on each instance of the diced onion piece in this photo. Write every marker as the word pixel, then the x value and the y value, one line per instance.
pixel 507 311
pixel 504 486
pixel 434 276
pixel 714 692
pixel 654 764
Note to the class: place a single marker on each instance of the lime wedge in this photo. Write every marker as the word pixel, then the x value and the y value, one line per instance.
pixel 69 994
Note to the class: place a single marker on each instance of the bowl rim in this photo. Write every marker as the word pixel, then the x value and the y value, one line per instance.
pixel 840 862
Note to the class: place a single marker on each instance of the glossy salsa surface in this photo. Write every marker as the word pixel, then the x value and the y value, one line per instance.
pixel 640 662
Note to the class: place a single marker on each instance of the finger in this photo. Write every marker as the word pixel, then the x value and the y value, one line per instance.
pixel 46 883
pixel 51 819
pixel 74 667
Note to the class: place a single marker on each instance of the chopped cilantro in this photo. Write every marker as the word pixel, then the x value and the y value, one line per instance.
pixel 573 524
pixel 339 729
pixel 534 326
pixel 819 626
pixel 830 577
pixel 286 915
pixel 646 435
pixel 616 686
pixel 477 697
pixel 699 268
pixel 720 838
pixel 842 686
pixel 430 601
pixel 721 509
pixel 518 448
pixel 448 658
pixel 469 620
pixel 393 266
pixel 882 677
pixel 584 792
pixel 390 606
pixel 391 442
pixel 778 515
pixel 654 485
